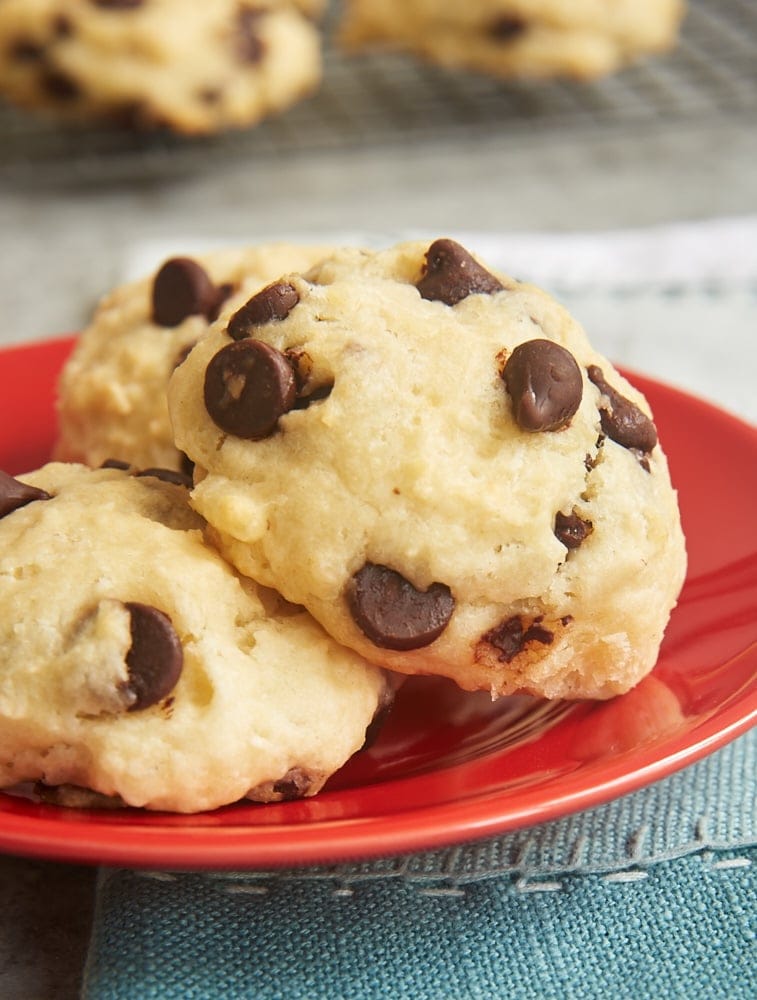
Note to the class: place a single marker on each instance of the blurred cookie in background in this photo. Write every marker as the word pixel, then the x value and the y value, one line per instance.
pixel 191 68
pixel 517 38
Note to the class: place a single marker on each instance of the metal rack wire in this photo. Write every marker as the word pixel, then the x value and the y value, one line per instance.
pixel 380 99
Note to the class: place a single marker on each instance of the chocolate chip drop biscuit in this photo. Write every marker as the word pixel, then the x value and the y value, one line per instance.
pixel 518 38
pixel 134 663
pixel 190 67
pixel 433 459
pixel 112 391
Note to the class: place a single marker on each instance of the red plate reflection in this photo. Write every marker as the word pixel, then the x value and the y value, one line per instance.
pixel 449 767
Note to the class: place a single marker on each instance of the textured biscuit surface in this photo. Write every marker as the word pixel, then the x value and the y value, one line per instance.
pixel 135 663
pixel 441 502
pixel 112 391
pixel 530 38
pixel 190 67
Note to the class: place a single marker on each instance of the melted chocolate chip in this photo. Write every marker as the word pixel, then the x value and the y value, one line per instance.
pixel 59 85
pixel 15 494
pixel 545 385
pixel 187 465
pixel 26 50
pixel 506 29
pixel 249 45
pixel 622 420
pixel 168 476
pixel 295 784
pixel 248 386
pixel 392 613
pixel 155 658
pixel 451 274
pixel 571 529
pixel 115 463
pixel 510 637
pixel 182 288
pixel 272 303
pixel 118 4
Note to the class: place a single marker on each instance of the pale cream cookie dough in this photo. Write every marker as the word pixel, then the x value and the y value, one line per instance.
pixel 434 460
pixel 134 663
pixel 190 67
pixel 112 391
pixel 518 38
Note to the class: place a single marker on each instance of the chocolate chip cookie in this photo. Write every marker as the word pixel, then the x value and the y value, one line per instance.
pixel 134 663
pixel 432 458
pixel 189 67
pixel 518 38
pixel 112 391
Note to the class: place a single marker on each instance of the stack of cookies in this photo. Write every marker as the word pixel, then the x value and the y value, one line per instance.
pixel 289 476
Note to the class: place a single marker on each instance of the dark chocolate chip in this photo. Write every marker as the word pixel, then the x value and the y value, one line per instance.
pixel 272 303
pixel 392 613
pixel 510 637
pixel 63 27
pixel 506 29
pixel 155 658
pixel 571 529
pixel 182 288
pixel 451 274
pixel 295 784
pixel 622 420
pixel 26 50
pixel 15 494
pixel 115 463
pixel 544 383
pixel 118 4
pixel 223 291
pixel 249 45
pixel 187 465
pixel 248 386
pixel 168 476
pixel 59 85
pixel 314 396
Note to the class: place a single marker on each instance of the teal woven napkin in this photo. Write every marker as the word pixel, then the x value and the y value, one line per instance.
pixel 650 896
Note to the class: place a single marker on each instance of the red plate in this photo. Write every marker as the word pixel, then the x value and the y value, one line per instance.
pixel 450 767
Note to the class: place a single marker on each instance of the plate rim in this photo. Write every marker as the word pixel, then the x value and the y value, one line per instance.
pixel 80 839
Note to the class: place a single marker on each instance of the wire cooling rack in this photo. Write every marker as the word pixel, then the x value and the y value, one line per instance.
pixel 381 99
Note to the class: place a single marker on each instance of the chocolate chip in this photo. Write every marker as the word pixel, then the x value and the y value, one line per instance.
pixel 223 291
pixel 622 420
pixel 506 29
pixel 451 274
pixel 155 658
pixel 59 85
pixel 115 463
pixel 249 44
pixel 248 386
pixel 15 494
pixel 168 476
pixel 26 50
pixel 295 784
pixel 182 288
pixel 272 303
pixel 392 613
pixel 187 465
pixel 118 4
pixel 544 383
pixel 510 637
pixel 571 529
pixel 63 27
